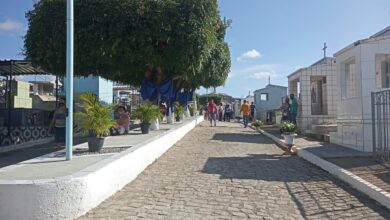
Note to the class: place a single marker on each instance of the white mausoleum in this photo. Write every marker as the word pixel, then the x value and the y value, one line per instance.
pixel 315 87
pixel 362 67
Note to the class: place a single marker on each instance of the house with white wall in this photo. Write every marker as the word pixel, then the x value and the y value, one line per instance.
pixel 363 67
pixel 317 91
pixel 267 100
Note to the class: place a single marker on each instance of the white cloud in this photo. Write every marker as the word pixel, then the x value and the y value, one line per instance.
pixel 10 25
pixel 255 71
pixel 263 75
pixel 249 54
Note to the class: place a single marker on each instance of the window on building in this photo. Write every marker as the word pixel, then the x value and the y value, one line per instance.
pixel 385 76
pixel 348 81
pixel 264 96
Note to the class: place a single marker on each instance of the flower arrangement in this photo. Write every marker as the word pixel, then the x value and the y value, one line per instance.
pixel 288 127
pixel 257 123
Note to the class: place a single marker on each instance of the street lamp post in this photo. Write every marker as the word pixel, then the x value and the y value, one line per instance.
pixel 69 79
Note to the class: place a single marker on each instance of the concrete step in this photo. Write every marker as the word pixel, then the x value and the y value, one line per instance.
pixel 324 129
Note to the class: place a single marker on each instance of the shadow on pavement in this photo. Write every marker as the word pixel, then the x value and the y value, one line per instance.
pixel 254 138
pixel 316 193
pixel 17 156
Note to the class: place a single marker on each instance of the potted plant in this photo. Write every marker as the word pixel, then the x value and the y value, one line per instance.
pixel 179 111
pixel 146 112
pixel 288 129
pixel 95 120
pixel 192 110
pixel 257 124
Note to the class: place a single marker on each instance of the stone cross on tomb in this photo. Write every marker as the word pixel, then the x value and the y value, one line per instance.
pixel 324 49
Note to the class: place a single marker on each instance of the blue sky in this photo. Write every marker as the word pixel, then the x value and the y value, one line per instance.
pixel 273 37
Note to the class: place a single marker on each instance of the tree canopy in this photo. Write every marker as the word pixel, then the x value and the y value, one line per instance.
pixel 117 39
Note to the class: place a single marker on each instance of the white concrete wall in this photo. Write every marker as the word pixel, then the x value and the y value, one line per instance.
pixel 72 196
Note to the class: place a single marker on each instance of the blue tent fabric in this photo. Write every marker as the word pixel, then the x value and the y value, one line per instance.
pixel 149 90
pixel 183 97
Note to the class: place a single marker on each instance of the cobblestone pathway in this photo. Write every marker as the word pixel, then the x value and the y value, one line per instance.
pixel 229 172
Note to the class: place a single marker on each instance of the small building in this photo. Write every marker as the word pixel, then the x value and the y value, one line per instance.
pixel 43 94
pixel 363 67
pixel 226 98
pixel 250 99
pixel 267 100
pixel 315 87
pixel 126 95
pixel 93 84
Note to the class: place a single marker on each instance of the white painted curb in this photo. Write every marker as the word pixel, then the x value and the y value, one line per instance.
pixel 356 182
pixel 72 196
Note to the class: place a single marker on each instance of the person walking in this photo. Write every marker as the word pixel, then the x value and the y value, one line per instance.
pixel 212 109
pixel 58 123
pixel 205 112
pixel 228 113
pixel 285 110
pixel 293 109
pixel 253 107
pixel 220 112
pixel 245 110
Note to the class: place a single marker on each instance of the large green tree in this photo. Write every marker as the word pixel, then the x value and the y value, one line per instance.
pixel 115 39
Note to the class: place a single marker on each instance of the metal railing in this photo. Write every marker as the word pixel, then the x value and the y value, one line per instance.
pixel 380 105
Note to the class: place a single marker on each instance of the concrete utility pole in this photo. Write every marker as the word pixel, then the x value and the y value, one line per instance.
pixel 69 79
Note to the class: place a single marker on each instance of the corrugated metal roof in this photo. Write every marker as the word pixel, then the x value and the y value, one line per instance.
pixel 19 67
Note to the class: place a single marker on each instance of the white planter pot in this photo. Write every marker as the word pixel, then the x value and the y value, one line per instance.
pixel 183 116
pixel 289 139
pixel 187 113
pixel 171 119
pixel 154 125
pixel 258 129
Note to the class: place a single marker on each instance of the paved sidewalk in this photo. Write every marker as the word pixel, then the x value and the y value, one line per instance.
pixel 229 172
pixel 17 156
pixel 359 163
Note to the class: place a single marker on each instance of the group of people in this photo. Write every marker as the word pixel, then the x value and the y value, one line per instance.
pixel 220 113
pixel 290 109
pixel 225 112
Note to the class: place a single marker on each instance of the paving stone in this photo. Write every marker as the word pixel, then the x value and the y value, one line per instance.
pixel 230 172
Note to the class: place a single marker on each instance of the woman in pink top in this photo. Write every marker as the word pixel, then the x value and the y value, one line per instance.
pixel 212 112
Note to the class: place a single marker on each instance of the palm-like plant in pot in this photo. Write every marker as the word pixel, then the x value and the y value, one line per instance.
pixel 95 120
pixel 192 111
pixel 147 112
pixel 179 110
